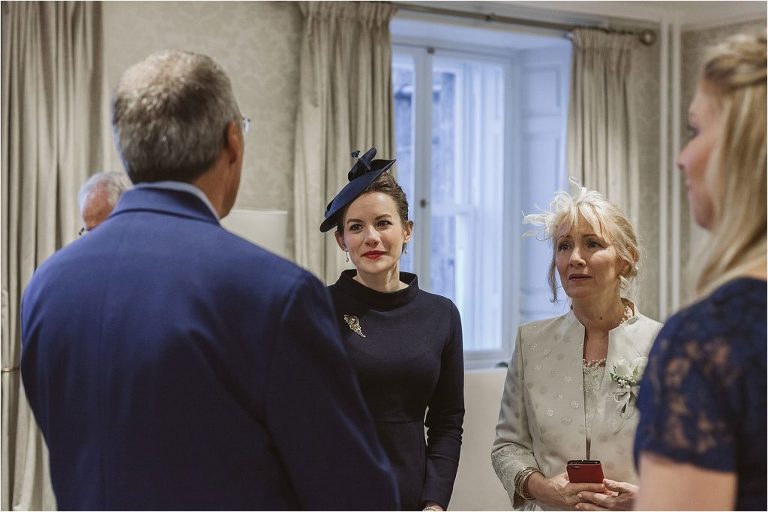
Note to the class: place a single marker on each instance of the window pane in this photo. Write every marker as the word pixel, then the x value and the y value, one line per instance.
pixel 475 185
pixel 444 126
pixel 403 89
pixel 443 271
pixel 467 195
pixel 444 149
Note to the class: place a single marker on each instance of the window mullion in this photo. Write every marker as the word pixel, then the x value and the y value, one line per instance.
pixel 422 202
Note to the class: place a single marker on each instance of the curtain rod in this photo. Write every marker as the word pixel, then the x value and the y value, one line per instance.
pixel 646 36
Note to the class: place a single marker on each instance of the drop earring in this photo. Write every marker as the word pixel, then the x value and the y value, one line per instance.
pixel 346 255
pixel 405 248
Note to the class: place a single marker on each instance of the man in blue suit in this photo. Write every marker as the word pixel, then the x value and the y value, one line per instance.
pixel 171 364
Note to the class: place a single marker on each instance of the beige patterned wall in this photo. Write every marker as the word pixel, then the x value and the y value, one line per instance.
pixel 693 48
pixel 257 43
pixel 645 72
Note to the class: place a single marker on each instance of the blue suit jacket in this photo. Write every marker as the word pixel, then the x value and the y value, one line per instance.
pixel 172 365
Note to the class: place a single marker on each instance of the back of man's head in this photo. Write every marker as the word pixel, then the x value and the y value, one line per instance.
pixel 99 195
pixel 170 115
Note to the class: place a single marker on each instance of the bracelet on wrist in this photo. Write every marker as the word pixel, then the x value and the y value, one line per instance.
pixel 524 485
pixel 521 482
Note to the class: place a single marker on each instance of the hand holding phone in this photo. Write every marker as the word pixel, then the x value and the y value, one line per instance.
pixel 585 471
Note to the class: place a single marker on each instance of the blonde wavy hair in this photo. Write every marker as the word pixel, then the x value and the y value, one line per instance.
pixel 602 215
pixel 734 79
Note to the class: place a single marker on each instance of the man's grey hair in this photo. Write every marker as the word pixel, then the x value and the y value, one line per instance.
pixel 115 183
pixel 170 114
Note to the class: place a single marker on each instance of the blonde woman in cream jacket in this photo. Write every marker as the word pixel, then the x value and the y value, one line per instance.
pixel 571 387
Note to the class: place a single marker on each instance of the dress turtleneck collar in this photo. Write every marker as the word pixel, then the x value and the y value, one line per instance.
pixel 375 299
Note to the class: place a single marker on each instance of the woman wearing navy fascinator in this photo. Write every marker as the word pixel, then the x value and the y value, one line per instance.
pixel 405 343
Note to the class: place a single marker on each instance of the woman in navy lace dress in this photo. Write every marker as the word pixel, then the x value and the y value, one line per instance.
pixel 701 439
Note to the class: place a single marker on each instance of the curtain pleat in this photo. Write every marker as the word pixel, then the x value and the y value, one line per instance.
pixel 55 122
pixel 602 133
pixel 345 103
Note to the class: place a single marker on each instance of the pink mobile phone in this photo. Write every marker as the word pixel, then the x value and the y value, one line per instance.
pixel 585 471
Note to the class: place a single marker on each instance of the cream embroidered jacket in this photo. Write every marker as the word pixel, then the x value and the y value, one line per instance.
pixel 542 417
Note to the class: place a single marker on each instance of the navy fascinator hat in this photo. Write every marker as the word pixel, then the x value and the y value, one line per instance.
pixel 361 175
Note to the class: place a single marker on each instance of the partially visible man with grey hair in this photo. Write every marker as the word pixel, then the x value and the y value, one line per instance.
pixel 196 371
pixel 98 197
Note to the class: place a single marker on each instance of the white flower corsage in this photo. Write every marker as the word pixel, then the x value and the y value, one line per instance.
pixel 627 376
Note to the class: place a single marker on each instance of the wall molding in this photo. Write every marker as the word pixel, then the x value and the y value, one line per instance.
pixel 725 19
pixel 664 117
pixel 674 124
pixel 697 14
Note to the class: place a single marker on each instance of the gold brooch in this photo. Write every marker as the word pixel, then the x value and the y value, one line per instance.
pixel 354 324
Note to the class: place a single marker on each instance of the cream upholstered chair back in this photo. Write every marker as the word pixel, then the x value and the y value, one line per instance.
pixel 477 487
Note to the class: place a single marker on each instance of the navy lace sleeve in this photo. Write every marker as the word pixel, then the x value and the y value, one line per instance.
pixel 703 395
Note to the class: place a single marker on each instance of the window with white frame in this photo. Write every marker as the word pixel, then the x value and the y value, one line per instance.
pixel 479 138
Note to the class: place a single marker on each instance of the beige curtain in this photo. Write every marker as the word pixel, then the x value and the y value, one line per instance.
pixel 602 135
pixel 345 104
pixel 55 133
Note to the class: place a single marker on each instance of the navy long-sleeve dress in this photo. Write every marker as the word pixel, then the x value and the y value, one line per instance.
pixel 703 395
pixel 406 347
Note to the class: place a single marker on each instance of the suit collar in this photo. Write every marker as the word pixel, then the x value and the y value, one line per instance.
pixel 183 187
pixel 167 201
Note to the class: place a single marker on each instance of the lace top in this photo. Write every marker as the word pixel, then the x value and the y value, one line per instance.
pixel 593 378
pixel 703 399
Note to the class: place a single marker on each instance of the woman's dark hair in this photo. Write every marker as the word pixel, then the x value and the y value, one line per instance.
pixel 386 184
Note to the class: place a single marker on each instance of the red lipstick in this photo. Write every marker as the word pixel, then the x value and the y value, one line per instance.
pixel 374 255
